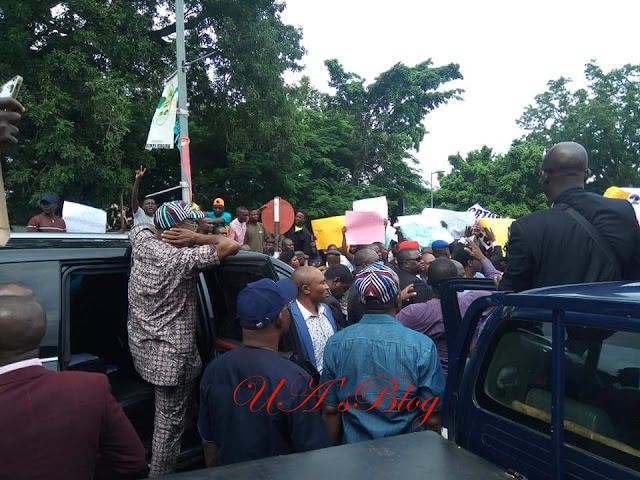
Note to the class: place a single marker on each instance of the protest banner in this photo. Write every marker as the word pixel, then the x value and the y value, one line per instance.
pixel 328 231
pixel 83 218
pixel 480 212
pixel 499 227
pixel 364 228
pixel 377 204
pixel 161 132
pixel 417 227
pixel 456 222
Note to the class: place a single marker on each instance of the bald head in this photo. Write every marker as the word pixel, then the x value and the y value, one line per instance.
pixel 312 285
pixel 305 275
pixel 22 326
pixel 365 257
pixel 15 290
pixel 440 270
pixel 564 167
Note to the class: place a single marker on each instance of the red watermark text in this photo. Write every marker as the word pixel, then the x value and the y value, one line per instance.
pixel 383 393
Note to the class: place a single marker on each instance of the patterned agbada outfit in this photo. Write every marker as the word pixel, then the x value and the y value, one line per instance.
pixel 162 328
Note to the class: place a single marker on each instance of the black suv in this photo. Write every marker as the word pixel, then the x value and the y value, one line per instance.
pixel 81 282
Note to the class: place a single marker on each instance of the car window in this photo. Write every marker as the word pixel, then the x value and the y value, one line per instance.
pixel 602 385
pixel 44 279
pixel 224 283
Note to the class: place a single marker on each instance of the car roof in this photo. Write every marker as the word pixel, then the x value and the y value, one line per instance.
pixel 63 246
pixel 608 291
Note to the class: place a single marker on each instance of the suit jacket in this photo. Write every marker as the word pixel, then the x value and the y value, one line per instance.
pixel 550 248
pixel 424 293
pixel 303 332
pixel 336 310
pixel 63 425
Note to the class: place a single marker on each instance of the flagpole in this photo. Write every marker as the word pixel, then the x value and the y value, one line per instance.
pixel 183 114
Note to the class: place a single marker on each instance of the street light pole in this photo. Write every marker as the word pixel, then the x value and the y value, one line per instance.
pixel 431 184
pixel 183 113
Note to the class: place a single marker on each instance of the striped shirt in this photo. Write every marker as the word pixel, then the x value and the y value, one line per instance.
pixel 42 223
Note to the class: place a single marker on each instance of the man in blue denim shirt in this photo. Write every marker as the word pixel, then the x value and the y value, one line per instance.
pixel 382 379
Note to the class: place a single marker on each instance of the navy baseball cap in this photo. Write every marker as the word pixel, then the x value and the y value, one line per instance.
pixel 49 198
pixel 439 244
pixel 260 303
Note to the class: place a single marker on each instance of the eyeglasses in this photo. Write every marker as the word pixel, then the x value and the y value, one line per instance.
pixel 417 259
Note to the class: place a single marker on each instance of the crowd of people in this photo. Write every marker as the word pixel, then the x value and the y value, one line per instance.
pixel 361 312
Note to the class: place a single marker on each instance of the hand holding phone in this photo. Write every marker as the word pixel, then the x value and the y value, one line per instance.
pixel 10 116
pixel 10 112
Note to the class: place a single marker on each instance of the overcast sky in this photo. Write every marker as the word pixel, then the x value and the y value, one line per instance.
pixel 507 51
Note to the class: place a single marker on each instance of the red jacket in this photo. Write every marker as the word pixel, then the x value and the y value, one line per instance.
pixel 63 425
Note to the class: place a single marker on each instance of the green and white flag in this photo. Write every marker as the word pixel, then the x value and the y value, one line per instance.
pixel 161 133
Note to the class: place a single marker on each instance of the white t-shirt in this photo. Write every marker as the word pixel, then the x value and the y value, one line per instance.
pixel 139 217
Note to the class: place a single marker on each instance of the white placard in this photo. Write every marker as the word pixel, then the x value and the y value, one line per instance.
pixel 377 204
pixel 456 222
pixel 480 212
pixel 83 218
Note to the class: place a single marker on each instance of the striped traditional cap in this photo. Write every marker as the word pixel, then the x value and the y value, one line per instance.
pixel 377 283
pixel 170 214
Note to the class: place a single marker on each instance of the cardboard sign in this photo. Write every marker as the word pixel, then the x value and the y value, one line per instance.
pixel 456 222
pixel 83 218
pixel 480 212
pixel 377 204
pixel 328 231
pixel 418 228
pixel 364 228
pixel 499 226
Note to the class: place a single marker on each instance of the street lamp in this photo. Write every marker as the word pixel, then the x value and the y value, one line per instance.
pixel 431 184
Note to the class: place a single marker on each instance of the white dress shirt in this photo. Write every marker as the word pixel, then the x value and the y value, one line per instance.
pixel 320 330
pixel 32 362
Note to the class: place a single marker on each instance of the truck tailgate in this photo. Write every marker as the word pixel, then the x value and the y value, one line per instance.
pixel 415 455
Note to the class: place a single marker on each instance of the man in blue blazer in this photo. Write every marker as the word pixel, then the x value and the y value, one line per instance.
pixel 312 318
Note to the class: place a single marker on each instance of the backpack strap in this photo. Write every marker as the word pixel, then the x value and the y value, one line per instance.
pixel 595 235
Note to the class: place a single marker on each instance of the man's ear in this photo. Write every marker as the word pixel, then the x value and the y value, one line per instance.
pixel 336 282
pixel 305 289
pixel 279 322
pixel 587 174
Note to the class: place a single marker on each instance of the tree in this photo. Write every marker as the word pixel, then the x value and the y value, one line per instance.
pixel 387 115
pixel 508 184
pixel 604 118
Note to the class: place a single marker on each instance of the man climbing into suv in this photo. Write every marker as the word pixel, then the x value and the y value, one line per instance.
pixel 162 316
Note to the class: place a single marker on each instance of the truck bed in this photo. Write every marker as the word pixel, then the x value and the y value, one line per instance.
pixel 423 455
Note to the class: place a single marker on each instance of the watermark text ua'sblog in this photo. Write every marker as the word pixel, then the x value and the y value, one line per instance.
pixel 376 392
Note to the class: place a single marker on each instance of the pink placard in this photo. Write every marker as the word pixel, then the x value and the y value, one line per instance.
pixel 364 228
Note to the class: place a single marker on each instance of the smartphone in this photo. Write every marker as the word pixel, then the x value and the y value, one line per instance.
pixel 11 88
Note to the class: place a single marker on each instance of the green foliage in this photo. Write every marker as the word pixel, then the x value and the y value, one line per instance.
pixel 604 118
pixel 504 184
pixel 94 71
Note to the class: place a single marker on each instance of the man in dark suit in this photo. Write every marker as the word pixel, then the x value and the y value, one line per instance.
pixel 551 247
pixel 410 264
pixel 55 425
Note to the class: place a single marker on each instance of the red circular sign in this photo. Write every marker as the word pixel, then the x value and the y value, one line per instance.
pixel 287 215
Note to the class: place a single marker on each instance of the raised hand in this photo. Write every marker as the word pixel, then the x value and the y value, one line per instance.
pixel 407 293
pixel 489 235
pixel 474 250
pixel 140 173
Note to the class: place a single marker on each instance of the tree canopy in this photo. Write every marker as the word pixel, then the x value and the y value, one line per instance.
pixel 94 71
pixel 507 184
pixel 604 118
